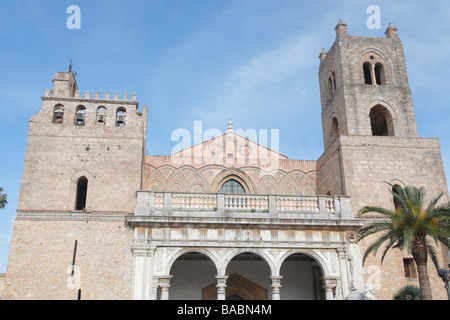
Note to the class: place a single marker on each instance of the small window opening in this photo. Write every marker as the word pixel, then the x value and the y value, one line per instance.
pixel 82 185
pixel 334 129
pixel 120 117
pixel 80 116
pixel 58 114
pixel 379 74
pixel 330 88
pixel 332 85
pixel 101 115
pixel 333 82
pixel 367 73
pixel 410 268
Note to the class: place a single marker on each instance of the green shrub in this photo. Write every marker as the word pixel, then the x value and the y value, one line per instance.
pixel 409 292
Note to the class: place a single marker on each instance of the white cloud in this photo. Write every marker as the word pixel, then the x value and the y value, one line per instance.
pixel 244 90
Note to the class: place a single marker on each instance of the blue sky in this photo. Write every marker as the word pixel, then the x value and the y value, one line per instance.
pixel 252 61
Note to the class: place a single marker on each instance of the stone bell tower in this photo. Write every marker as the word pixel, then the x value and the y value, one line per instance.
pixel 364 87
pixel 368 120
pixel 370 133
pixel 83 166
pixel 87 151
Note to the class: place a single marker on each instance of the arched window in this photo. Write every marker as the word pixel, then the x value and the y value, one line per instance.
pixel 330 88
pixel 334 128
pixel 379 74
pixel 101 115
pixel 332 85
pixel 233 187
pixel 381 121
pixel 82 186
pixel 121 117
pixel 80 116
pixel 58 114
pixel 367 68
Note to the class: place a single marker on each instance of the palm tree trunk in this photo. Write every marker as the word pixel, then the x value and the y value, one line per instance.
pixel 420 253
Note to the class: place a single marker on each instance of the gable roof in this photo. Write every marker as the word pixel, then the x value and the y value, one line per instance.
pixel 230 147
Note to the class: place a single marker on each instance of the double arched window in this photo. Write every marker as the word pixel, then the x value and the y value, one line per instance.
pixel 374 72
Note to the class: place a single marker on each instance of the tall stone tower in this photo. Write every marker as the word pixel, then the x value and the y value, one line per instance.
pixel 83 166
pixel 364 87
pixel 87 151
pixel 369 126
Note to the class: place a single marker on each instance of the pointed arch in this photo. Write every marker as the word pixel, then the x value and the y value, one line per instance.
pixel 233 174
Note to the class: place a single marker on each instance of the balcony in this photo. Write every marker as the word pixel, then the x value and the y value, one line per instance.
pixel 221 206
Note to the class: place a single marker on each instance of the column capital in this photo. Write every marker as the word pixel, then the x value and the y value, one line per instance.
pixel 164 281
pixel 276 285
pixel 329 285
pixel 221 287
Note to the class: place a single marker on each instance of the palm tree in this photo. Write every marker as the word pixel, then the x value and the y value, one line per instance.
pixel 410 227
pixel 3 200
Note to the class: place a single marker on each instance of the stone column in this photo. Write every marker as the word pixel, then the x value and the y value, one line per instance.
pixel 164 283
pixel 329 284
pixel 276 285
pixel 141 279
pixel 221 285
pixel 343 270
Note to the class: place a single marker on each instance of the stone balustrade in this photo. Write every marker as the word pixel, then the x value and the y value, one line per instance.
pixel 244 205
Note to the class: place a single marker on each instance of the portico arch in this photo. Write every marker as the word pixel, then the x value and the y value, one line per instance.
pixel 302 277
pixel 175 255
pixel 190 272
pixel 249 275
pixel 232 254
pixel 318 257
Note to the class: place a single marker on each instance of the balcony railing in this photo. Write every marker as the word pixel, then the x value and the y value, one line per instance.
pixel 219 204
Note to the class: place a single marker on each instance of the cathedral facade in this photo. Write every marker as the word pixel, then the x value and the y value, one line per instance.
pixel 227 218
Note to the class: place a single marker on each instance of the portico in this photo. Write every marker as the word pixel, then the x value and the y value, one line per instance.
pixel 202 253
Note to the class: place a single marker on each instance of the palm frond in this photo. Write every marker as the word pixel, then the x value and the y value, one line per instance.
pixel 393 243
pixel 373 228
pixel 434 202
pixel 373 248
pixel 368 209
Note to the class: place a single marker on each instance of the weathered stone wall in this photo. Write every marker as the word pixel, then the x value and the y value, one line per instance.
pixel 329 171
pixel 41 257
pixel 369 162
